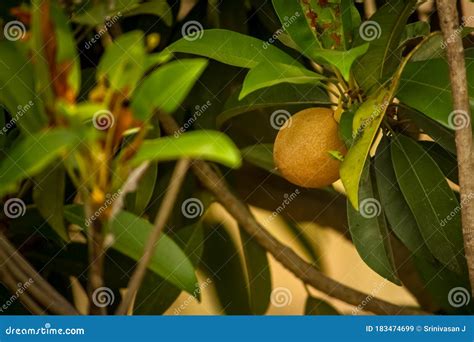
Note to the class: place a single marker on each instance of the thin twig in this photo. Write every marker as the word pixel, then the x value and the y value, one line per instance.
pixel 285 255
pixel 162 217
pixel 449 21
pixel 41 289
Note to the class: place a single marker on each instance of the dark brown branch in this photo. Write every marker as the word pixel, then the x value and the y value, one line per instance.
pixel 40 289
pixel 449 21
pixel 179 174
pixel 285 255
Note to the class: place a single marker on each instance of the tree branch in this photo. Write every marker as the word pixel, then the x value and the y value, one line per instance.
pixel 162 217
pixel 285 255
pixel 449 21
pixel 19 269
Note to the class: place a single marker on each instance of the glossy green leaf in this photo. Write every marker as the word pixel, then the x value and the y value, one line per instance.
pixel 424 86
pixel 166 88
pixel 431 201
pixel 366 124
pixel 369 230
pixel 269 74
pixel 279 96
pixel 446 161
pixel 32 155
pixel 298 28
pixel 48 195
pixel 384 30
pixel 259 282
pixel 260 155
pixel 18 92
pixel 319 307
pixel 397 211
pixel 345 127
pixel 123 62
pixel 232 48
pixel 209 145
pixel 169 261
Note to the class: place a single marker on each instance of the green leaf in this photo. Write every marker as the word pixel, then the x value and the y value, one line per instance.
pixel 345 127
pixel 293 18
pixel 222 263
pixel 32 155
pixel 431 201
pixel 167 87
pixel 209 145
pixel 351 20
pixel 156 295
pixel 342 60
pixel 319 307
pixel 258 274
pixel 439 133
pixel 415 30
pixel 123 62
pixel 269 74
pixel 160 8
pixel 232 48
pixel 446 161
pixel 366 124
pixel 369 230
pixel 18 89
pixel 260 155
pixel 169 261
pixel 397 211
pixel 382 58
pixel 137 202
pixel 279 96
pixel 424 86
pixel 48 195
pixel 104 11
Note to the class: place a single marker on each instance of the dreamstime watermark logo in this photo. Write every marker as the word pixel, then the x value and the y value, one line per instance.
pixel 458 297
pixel 192 30
pixel 370 208
pixel 14 30
pixel 103 119
pixel 457 32
pixel 192 208
pixel 109 201
pixel 287 22
pixel 369 297
pixel 457 209
pixel 281 297
pixel 21 110
pixel 458 119
pixel 190 298
pixel 378 110
pixel 281 208
pixel 103 297
pixel 280 119
pixel 22 287
pixel 109 22
pixel 370 30
pixel 14 208
pixel 198 111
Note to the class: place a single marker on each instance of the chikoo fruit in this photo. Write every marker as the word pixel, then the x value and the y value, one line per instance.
pixel 302 146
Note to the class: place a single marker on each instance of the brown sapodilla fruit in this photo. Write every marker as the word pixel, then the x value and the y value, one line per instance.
pixel 302 146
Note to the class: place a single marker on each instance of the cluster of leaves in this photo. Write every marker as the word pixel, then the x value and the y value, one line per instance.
pixel 392 97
